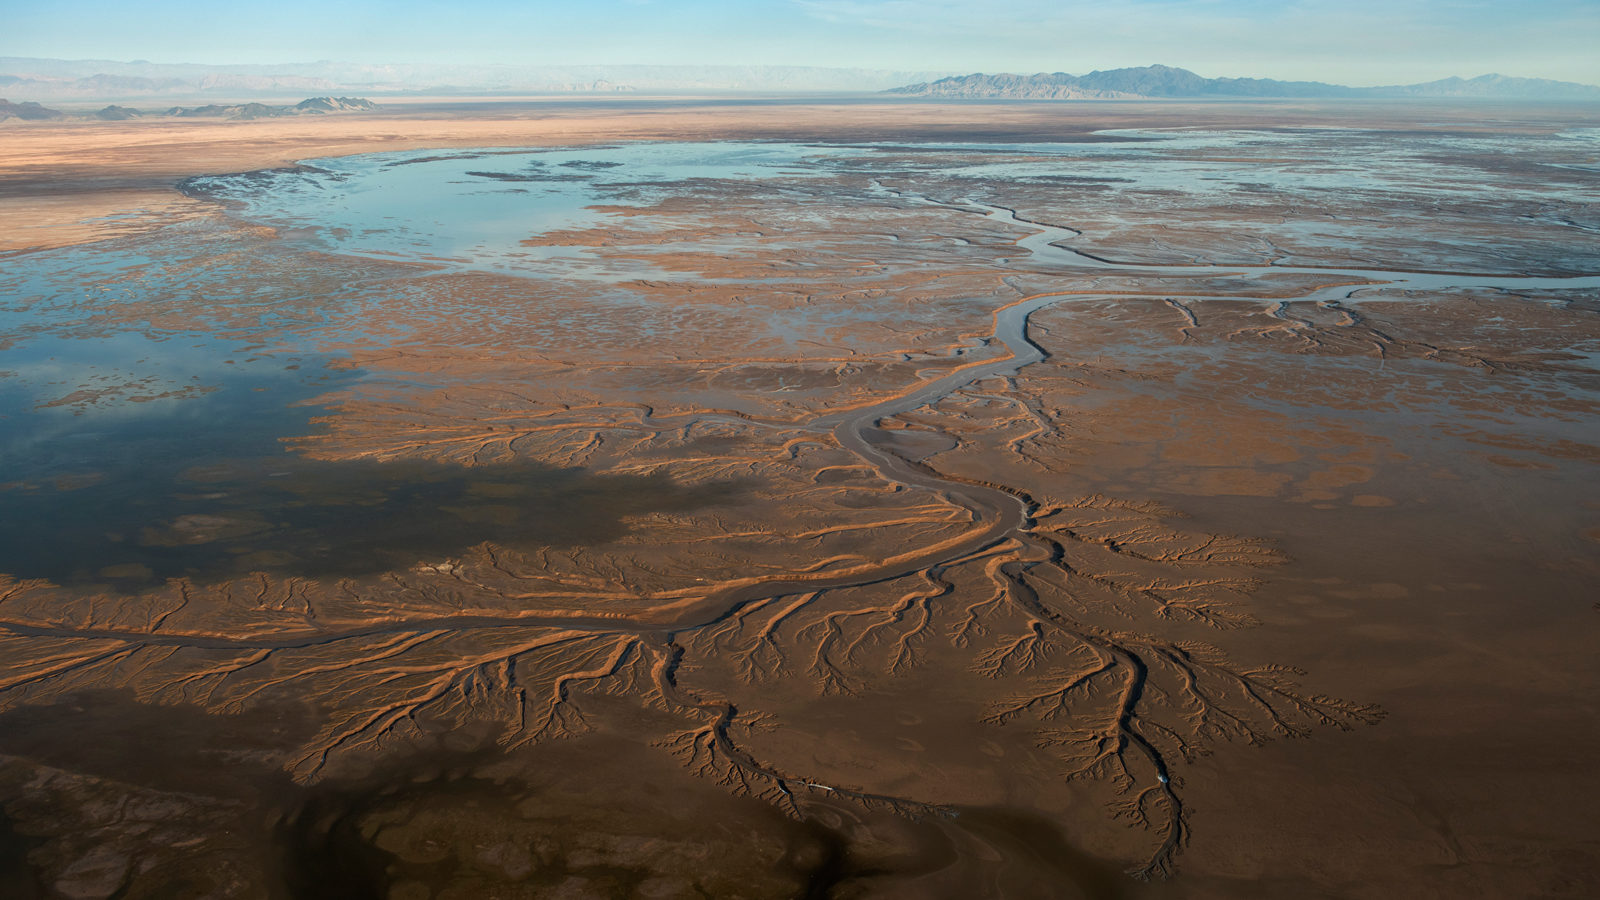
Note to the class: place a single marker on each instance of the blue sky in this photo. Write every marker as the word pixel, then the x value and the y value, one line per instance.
pixel 1347 41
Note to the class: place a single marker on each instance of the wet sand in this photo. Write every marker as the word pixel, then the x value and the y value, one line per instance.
pixel 1174 540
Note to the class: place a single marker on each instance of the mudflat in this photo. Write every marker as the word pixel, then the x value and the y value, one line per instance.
pixel 651 497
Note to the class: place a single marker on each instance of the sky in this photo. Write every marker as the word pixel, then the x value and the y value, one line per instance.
pixel 1357 42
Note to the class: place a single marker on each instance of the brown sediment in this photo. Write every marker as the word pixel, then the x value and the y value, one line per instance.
pixel 1035 587
pixel 1438 559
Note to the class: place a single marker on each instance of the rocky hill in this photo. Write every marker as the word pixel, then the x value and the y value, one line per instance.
pixel 114 113
pixel 334 104
pixel 1167 82
pixel 27 111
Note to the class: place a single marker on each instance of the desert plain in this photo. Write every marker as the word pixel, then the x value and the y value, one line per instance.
pixel 759 498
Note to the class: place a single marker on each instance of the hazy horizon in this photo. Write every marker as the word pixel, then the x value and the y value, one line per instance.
pixel 1358 43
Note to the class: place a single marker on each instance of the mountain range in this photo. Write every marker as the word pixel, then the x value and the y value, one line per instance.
pixel 314 106
pixel 88 81
pixel 81 80
pixel 1167 82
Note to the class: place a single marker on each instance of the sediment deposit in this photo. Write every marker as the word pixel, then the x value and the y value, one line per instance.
pixel 946 519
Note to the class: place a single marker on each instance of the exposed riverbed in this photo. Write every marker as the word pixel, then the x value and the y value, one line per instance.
pixel 704 448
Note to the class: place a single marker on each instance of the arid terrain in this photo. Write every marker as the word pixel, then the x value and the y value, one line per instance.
pixel 768 499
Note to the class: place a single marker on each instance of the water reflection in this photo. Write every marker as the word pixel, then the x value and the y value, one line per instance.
pixel 475 209
pixel 279 513
pixel 161 461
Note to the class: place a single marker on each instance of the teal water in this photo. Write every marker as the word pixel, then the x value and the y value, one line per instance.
pixel 474 208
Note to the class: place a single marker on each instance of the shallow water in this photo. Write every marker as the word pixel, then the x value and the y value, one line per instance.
pixel 473 209
pixel 178 469
pixel 481 205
